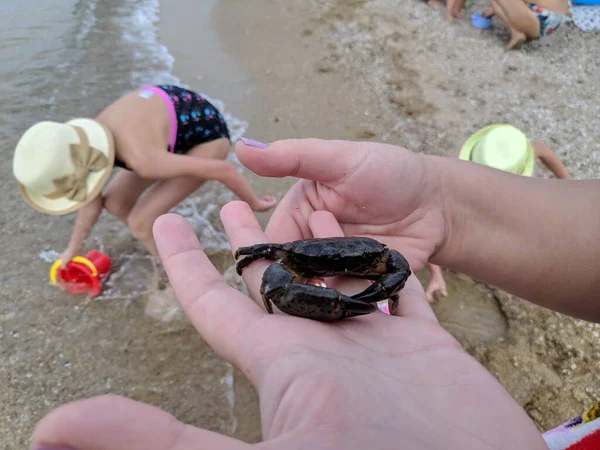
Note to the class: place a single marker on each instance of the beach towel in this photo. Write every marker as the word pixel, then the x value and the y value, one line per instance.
pixel 580 433
pixel 586 17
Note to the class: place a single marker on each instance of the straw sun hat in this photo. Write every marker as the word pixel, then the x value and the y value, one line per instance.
pixel 60 167
pixel 502 147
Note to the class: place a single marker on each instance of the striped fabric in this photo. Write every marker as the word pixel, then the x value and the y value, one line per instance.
pixel 580 433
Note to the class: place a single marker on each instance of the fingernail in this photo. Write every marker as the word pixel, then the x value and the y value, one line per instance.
pixel 253 143
pixel 384 307
pixel 51 447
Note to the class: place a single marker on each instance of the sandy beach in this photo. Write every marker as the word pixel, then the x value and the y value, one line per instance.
pixel 379 70
pixel 396 72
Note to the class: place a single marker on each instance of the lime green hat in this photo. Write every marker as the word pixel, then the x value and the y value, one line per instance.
pixel 501 146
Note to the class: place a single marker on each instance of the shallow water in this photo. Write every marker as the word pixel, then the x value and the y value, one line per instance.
pixel 59 60
pixel 63 59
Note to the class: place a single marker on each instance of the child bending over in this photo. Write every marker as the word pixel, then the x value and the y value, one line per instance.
pixel 167 140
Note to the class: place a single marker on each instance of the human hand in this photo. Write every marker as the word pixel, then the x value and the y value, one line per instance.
pixel 68 255
pixel 264 204
pixel 432 208
pixel 381 191
pixel 377 381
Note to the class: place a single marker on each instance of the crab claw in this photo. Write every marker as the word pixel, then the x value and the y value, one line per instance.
pixel 307 300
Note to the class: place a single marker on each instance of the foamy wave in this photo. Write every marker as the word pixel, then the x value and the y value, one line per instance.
pixel 49 256
pixel 87 22
pixel 139 24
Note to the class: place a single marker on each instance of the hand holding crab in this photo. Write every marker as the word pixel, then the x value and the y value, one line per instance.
pixel 399 381
pixel 284 282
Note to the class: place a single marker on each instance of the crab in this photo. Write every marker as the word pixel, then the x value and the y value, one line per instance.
pixel 286 282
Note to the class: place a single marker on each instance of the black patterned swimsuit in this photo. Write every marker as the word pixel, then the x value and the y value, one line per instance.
pixel 194 120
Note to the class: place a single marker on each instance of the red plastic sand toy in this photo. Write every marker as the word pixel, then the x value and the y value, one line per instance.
pixel 82 274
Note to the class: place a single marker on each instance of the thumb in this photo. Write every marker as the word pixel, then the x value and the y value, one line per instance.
pixel 310 159
pixel 117 423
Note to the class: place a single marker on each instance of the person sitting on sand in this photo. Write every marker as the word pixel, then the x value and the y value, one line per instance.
pixel 165 137
pixel 506 148
pixel 529 20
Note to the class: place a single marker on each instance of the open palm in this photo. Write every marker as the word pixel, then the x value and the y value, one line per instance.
pixel 376 190
pixel 376 381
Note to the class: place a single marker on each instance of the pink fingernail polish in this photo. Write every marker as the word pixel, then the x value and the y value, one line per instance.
pixel 253 143
pixel 384 307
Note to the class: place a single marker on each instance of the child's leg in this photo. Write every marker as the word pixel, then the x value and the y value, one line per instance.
pixel 516 37
pixel 519 19
pixel 168 193
pixel 123 192
pixel 454 9
pixel 550 160
pixel 458 7
pixel 450 10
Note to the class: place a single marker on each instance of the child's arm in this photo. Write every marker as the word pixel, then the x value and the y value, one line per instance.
pixel 86 219
pixel 170 165
pixel 550 160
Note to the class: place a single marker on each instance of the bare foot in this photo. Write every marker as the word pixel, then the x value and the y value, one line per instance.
pixel 451 15
pixel 436 3
pixel 436 284
pixel 487 13
pixel 516 39
pixel 267 202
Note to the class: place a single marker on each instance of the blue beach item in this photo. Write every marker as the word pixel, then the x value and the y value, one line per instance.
pixel 478 21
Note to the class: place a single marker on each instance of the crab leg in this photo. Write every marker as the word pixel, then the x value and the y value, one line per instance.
pixel 255 252
pixel 282 287
pixel 386 287
pixel 389 284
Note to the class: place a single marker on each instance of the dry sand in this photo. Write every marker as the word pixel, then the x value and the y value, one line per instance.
pixel 381 70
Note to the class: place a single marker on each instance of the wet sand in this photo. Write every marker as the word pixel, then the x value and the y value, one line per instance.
pixel 345 69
